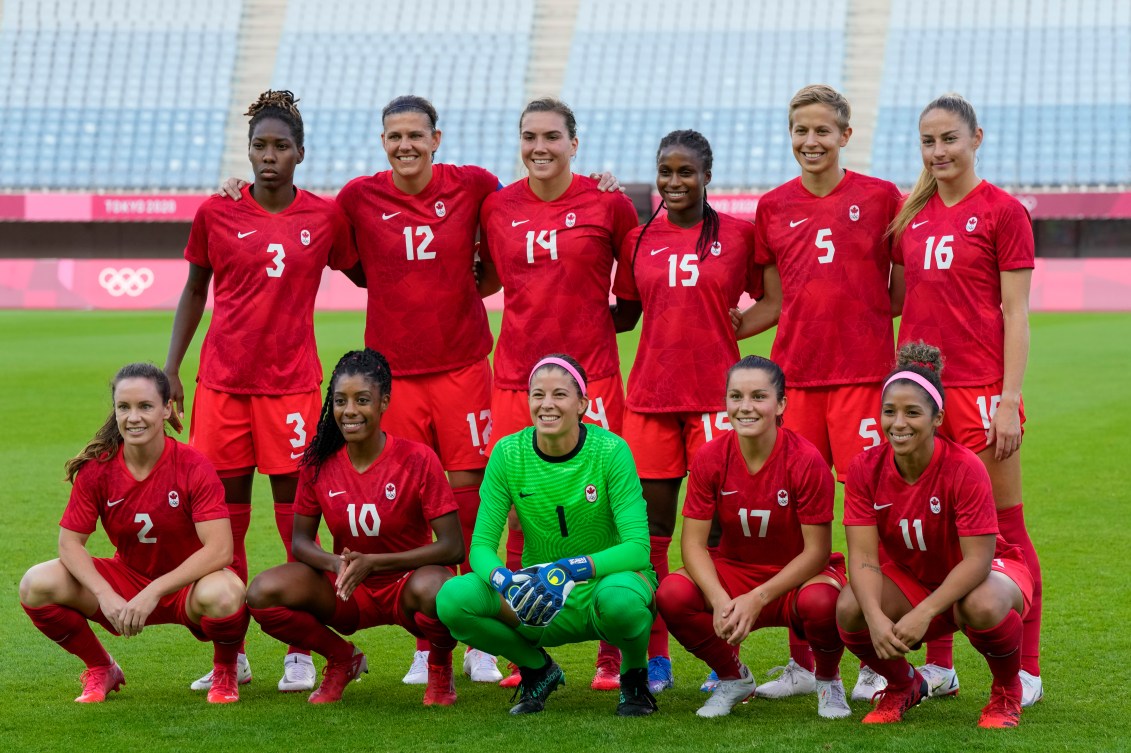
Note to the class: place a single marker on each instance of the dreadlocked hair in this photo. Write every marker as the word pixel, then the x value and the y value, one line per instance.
pixel 925 360
pixel 328 439
pixel 108 439
pixel 281 105
pixel 696 143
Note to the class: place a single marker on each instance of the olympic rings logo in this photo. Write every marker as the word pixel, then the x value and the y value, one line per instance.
pixel 125 281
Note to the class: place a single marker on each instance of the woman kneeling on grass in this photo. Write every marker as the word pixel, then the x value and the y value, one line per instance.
pixel 929 502
pixel 575 490
pixel 379 495
pixel 162 507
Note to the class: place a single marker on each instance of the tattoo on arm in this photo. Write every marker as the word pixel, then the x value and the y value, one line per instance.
pixel 871 566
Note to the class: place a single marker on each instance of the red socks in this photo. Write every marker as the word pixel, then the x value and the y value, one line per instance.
pixel 467 497
pixel 1001 645
pixel 285 522
pixel 226 634
pixel 897 672
pixel 300 628
pixel 1011 523
pixel 658 644
pixel 816 606
pixel 800 652
pixel 940 651
pixel 690 620
pixel 71 630
pixel 240 517
pixel 439 640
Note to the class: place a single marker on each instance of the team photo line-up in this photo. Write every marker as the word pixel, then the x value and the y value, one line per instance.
pixel 545 444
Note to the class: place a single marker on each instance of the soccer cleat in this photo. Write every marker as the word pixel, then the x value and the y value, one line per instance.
pixel 225 687
pixel 792 679
pixel 98 682
pixel 831 703
pixel 868 683
pixel 607 676
pixel 1003 710
pixel 1032 689
pixel 728 694
pixel 243 675
pixel 940 680
pixel 710 683
pixel 659 674
pixel 513 678
pixel 418 672
pixel 891 705
pixel 441 690
pixel 536 686
pixel 479 666
pixel 336 675
pixel 298 674
pixel 636 697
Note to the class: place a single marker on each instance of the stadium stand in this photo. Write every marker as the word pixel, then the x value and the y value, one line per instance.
pixel 1051 80
pixel 641 68
pixel 117 94
pixel 346 59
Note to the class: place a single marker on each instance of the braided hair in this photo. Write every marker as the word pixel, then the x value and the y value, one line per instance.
pixel 926 361
pixel 697 144
pixel 280 105
pixel 328 439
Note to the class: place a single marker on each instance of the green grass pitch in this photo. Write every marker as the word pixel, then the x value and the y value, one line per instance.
pixel 53 395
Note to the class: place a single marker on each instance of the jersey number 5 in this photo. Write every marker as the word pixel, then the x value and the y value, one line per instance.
pixel 825 243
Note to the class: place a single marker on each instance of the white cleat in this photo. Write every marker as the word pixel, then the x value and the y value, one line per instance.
pixel 831 703
pixel 940 680
pixel 1032 689
pixel 868 683
pixel 793 679
pixel 480 666
pixel 418 672
pixel 727 694
pixel 298 674
pixel 243 675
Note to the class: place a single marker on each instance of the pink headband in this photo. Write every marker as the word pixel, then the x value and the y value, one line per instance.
pixel 920 380
pixel 565 365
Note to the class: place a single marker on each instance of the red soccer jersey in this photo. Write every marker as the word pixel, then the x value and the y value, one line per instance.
pixel 151 523
pixel 424 312
pixel 382 510
pixel 555 260
pixel 919 524
pixel 834 263
pixel 266 270
pixel 953 258
pixel 761 513
pixel 687 340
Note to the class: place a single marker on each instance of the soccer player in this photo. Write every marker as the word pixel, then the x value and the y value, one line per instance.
pixel 381 497
pixel 967 248
pixel 576 493
pixel 550 240
pixel 687 269
pixel 257 394
pixel 162 507
pixel 772 494
pixel 929 502
pixel 831 290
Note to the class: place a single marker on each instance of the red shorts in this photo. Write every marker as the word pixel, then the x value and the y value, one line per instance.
pixel 944 624
pixel 128 583
pixel 842 421
pixel 369 606
pixel 968 414
pixel 239 433
pixel 738 578
pixel 664 444
pixel 510 409
pixel 450 411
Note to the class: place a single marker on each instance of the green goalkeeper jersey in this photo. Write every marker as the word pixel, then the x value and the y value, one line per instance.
pixel 588 502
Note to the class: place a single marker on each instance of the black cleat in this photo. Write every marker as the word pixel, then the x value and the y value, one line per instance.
pixel 635 698
pixel 536 686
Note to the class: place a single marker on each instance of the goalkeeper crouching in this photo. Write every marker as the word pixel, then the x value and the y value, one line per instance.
pixel 586 574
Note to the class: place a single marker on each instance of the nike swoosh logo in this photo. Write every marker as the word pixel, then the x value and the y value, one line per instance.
pixel 111 504
pixel 516 223
pixel 244 235
pixel 389 216
pixel 334 494
pixel 524 495
pixel 734 491
pixel 917 224
pixel 882 507
pixel 798 222
pixel 297 455
pixel 658 250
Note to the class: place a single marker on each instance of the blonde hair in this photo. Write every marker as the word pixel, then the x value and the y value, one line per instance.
pixel 926 186
pixel 822 94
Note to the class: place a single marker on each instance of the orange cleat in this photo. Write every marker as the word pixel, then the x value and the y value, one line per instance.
pixel 891 704
pixel 98 682
pixel 1003 710
pixel 441 690
pixel 225 684
pixel 336 675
